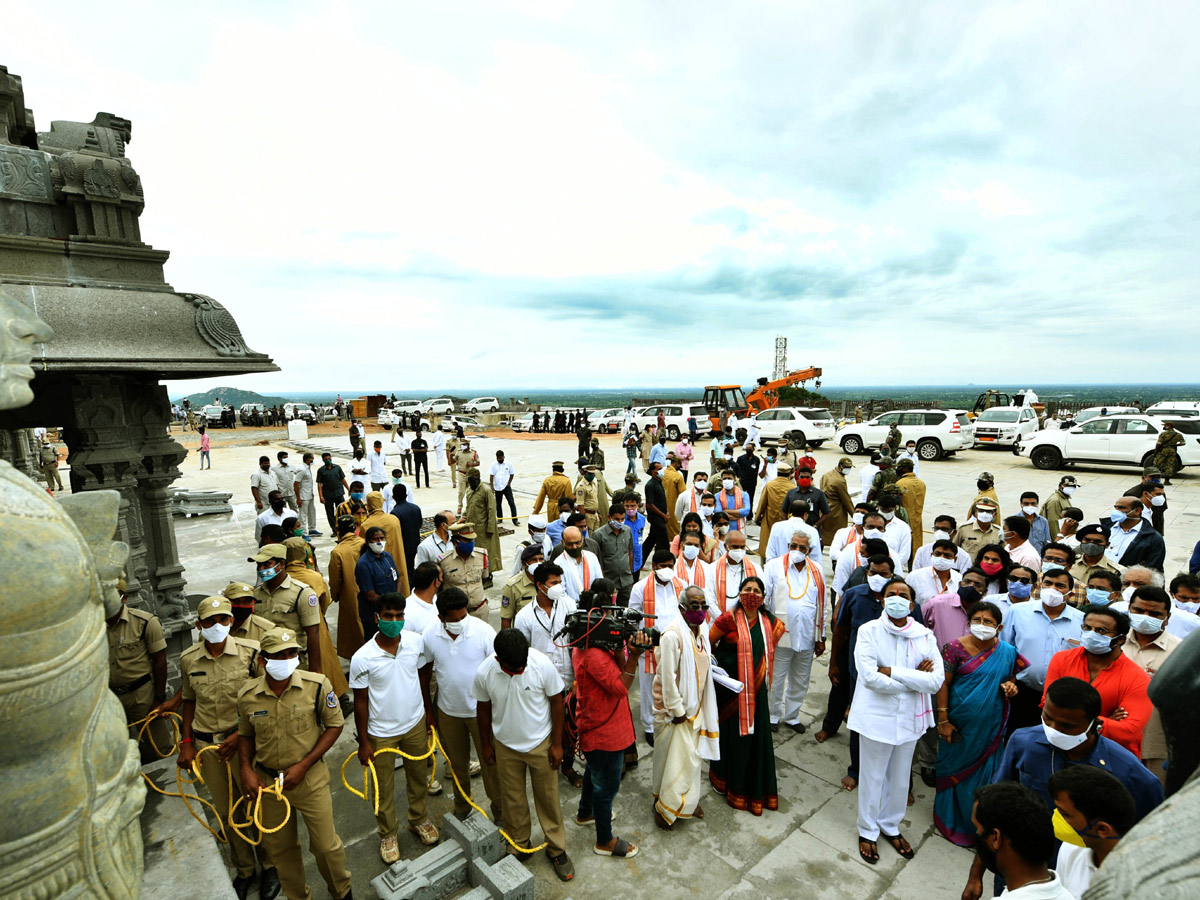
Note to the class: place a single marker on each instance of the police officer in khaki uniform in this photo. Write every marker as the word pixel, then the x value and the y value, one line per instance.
pixel 48 462
pixel 465 567
pixel 287 720
pixel 137 670
pixel 214 671
pixel 555 486
pixel 287 603
pixel 520 590
pixel 246 623
pixel 465 459
pixel 451 455
pixel 587 497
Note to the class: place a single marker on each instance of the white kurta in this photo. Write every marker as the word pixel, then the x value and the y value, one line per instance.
pixel 572 578
pixel 896 708
pixel 781 536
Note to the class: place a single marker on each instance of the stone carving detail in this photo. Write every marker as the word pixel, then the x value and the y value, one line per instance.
pixel 98 183
pixel 217 326
pixel 23 174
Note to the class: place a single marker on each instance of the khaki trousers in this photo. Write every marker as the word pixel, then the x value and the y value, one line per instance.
pixel 216 779
pixel 416 774
pixel 137 704
pixel 512 766
pixel 310 799
pixel 457 735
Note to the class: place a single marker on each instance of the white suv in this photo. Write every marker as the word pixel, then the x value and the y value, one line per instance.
pixel 441 406
pixel 606 421
pixel 1003 426
pixel 803 424
pixel 1112 440
pixel 481 405
pixel 1182 409
pixel 938 432
pixel 675 416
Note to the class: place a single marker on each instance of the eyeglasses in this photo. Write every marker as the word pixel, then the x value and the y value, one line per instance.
pixel 1020 580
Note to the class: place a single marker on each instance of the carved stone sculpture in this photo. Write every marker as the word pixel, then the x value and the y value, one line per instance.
pixel 68 771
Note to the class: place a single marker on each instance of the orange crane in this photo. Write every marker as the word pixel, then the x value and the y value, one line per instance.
pixel 722 399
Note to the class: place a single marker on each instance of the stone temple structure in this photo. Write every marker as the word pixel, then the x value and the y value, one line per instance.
pixel 71 252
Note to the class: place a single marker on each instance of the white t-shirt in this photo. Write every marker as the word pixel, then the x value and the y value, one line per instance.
pixel 1076 868
pixel 502 474
pixel 539 629
pixel 419 615
pixel 394 704
pixel 378 461
pixel 520 703
pixel 1047 890
pixel 456 660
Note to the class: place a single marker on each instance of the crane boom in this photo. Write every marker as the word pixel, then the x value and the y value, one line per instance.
pixel 766 394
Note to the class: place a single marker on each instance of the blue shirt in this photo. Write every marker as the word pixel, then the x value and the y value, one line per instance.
pixel 859 607
pixel 1031 759
pixel 658 453
pixel 637 525
pixel 1039 534
pixel 1037 637
pixel 554 531
pixel 376 573
pixel 725 501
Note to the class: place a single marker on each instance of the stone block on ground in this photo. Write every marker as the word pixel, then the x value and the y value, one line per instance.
pixel 479 838
pixel 435 874
pixel 200 503
pixel 507 879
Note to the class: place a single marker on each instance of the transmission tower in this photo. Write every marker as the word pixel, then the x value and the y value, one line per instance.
pixel 780 357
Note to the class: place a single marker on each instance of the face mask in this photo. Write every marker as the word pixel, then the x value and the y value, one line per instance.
pixel 941 535
pixel 1068 491
pixel 390 628
pixel 297 532
pixel 701 486
pixel 266 575
pixel 770 457
pixel 1019 591
pixel 214 634
pixel 1145 624
pixel 562 517
pixel 872 533
pixel 453 627
pixel 617 524
pixel 282 669
pixel 796 557
pixel 1091 549
pixel 531 568
pixel 588 476
pixel 911 450
pixel 1052 598
pixel 537 536
pixel 1029 510
pixel 277 506
pixel 556 593
pixel 1098 596
pixel 876 582
pixel 1117 517
pixel 984 517
pixel 663 576
pixel 896 606
pixel 1065 741
pixel 750 602
pixel 1159 500
pixel 695 616
pixel 356 496
pixel 736 556
pixel 1097 643
pixel 727 483
pixel 991 568
pixel 1065 832
pixel 466 548
pixel 1188 607
pixel 941 563
pixel 983 485
pixel 1050 566
pixel 377 546
pixel 395 480
pixel 887 516
pixel 805 482
pixel 858 518
pixel 983 632
pixel 723 530
pixel 690 552
pixel 241 614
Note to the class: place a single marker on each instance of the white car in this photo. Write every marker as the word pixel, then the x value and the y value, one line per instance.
pixel 1126 440
pixel 607 421
pixel 938 432
pixel 481 405
pixel 1003 426
pixel 803 424
pixel 450 422
pixel 300 411
pixel 1085 415
pixel 1180 409
pixel 675 417
pixel 524 423
pixel 390 418
pixel 441 406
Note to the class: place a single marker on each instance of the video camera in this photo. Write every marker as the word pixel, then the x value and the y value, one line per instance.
pixel 606 627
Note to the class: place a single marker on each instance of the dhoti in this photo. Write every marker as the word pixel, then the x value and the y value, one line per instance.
pixel 675 781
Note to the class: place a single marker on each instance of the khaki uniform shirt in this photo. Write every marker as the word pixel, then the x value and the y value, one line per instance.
pixel 293 605
pixel 286 728
pixel 972 539
pixel 131 642
pixel 466 574
pixel 253 628
pixel 466 460
pixel 1150 658
pixel 587 501
pixel 554 488
pixel 517 594
pixel 213 682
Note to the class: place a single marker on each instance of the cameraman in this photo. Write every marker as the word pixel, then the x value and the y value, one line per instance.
pixel 605 723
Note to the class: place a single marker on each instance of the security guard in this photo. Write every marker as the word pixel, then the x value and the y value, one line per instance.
pixel 587 497
pixel 630 489
pixel 465 567
pixel 289 604
pixel 465 459
pixel 48 462
pixel 137 669
pixel 287 720
pixel 520 590
pixel 555 486
pixel 214 670
pixel 246 623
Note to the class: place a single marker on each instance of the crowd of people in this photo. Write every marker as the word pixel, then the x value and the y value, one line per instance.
pixel 1006 660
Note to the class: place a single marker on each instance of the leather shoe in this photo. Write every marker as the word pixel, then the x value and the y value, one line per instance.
pixel 929 776
pixel 268 884
pixel 241 885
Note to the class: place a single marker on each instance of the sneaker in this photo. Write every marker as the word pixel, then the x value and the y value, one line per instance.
pixel 427 832
pixel 389 850
pixel 314 534
pixel 435 788
pixel 476 768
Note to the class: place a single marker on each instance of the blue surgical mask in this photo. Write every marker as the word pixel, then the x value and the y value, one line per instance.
pixel 1096 643
pixel 896 606
pixel 1145 624
pixel 1019 591
pixel 357 496
pixel 267 574
pixel 1117 517
pixel 465 547
pixel 1098 596
pixel 1049 566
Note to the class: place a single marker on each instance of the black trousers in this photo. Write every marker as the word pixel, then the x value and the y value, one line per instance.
pixel 655 538
pixel 419 463
pixel 839 696
pixel 500 495
pixel 331 514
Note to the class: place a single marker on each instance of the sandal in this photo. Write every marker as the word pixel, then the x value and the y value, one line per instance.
pixel 871 854
pixel 584 820
pixel 622 849
pixel 897 841
pixel 575 779
pixel 563 867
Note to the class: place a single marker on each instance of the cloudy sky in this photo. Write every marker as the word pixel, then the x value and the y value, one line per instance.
pixel 539 193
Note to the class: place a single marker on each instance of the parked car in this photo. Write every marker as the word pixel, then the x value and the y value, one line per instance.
pixel 439 405
pixel 246 410
pixel 481 405
pixel 1181 409
pixel 467 422
pixel 1003 426
pixel 938 432
pixel 1092 412
pixel 676 416
pixel 300 411
pixel 803 424
pixel 607 421
pixel 212 415
pixel 1126 440
pixel 523 423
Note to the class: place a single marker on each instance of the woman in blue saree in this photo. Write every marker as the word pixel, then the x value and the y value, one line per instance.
pixel 972 710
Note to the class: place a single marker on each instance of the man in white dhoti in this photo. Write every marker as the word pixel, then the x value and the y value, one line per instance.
pixel 686 729
pixel 795 592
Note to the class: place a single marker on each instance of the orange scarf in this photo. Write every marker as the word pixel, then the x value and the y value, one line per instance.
pixel 738 497
pixel 682 572
pixel 648 592
pixel 814 572
pixel 722 573
pixel 745 657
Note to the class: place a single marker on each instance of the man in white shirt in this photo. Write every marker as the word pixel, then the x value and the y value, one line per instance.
pixel 867 475
pixel 1016 540
pixel 795 592
pixel 305 495
pixel 910 453
pixel 519 705
pixel 536 526
pixel 855 554
pixel 392 709
pixel 262 483
pixel 1014 838
pixel 500 478
pixel 944 528
pixel 580 567
pixel 377 461
pixel 437 545
pixel 420 613
pixel 780 537
pixel 437 446
pixel 689 500
pixel 456 645
pixel 939 577
pixel 896 531
pixel 657 598
pixel 360 469
pixel 403 444
pixel 274 514
pixel 285 477
pixel 1097 810
pixel 728 571
pixel 690 568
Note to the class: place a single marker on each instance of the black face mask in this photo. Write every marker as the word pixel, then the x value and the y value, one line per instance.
pixel 983 485
pixel 278 506
pixel 241 614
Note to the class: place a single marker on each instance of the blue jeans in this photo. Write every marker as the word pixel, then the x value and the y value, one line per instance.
pixel 601 781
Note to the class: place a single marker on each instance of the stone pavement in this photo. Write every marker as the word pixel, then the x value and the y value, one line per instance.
pixel 808 847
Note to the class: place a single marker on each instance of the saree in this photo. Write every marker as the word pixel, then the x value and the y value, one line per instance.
pixel 979 710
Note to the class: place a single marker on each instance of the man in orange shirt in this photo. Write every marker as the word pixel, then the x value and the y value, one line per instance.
pixel 1125 704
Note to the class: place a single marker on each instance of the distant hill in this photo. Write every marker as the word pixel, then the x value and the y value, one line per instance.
pixel 234 397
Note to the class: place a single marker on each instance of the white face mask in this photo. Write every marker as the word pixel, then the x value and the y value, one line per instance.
pixel 377 546
pixel 858 518
pixel 562 517
pixel 531 568
pixel 453 627
pixel 1068 491
pixel 1160 500
pixel 1188 607
pixel 983 632
pixel 690 552
pixel 664 576
pixel 887 516
pixel 1065 742
pixel 984 517
pixel 727 483
pixel 1052 598
pixel 876 582
pixel 872 533
pixel 701 486
pixel 940 535
pixel 1029 510
pixel 896 606
pixel 214 634
pixel 1063 522
pixel 941 563
pixel 736 556
pixel 282 669
pixel 556 593
pixel 796 557
pixel 707 511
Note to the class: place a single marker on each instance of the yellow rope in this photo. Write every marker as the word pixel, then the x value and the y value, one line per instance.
pixel 222 835
pixel 369 774
pixel 255 819
pixel 174 718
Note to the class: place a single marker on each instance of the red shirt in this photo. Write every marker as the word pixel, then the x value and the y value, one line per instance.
pixel 602 715
pixel 1122 684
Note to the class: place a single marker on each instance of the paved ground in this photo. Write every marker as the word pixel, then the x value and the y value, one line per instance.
pixel 808 847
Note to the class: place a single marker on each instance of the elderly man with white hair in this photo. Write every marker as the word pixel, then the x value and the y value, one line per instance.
pixel 795 592
pixel 781 533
